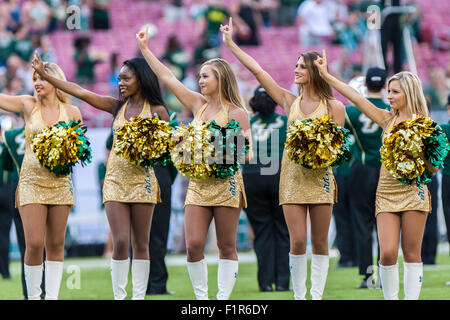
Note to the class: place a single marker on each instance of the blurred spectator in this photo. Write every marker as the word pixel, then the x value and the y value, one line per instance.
pixel 205 50
pixel 6 43
pixel 57 14
pixel 85 12
pixel 314 22
pixel 10 14
pixel 351 32
pixel 246 18
pixel 15 87
pixel 343 67
pixel 17 68
pixel 391 33
pixel 435 89
pixel 100 14
pixel 287 12
pixel 85 61
pixel 22 44
pixel 36 15
pixel 176 57
pixel 214 15
pixel 446 175
pixel 174 11
pixel 113 79
pixel 43 45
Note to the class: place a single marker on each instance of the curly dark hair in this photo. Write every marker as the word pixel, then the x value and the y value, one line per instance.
pixel 262 103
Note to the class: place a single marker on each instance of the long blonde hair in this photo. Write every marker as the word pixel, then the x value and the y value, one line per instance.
pixel 54 70
pixel 412 86
pixel 227 83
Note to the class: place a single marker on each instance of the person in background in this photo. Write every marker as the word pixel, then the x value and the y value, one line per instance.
pixel 446 177
pixel 100 14
pixel 271 242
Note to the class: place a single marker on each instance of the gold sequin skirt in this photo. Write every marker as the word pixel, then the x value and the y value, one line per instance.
pixel 38 185
pixel 125 182
pixel 299 185
pixel 395 196
pixel 217 192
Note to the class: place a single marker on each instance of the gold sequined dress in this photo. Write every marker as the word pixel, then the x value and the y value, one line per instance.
pixel 395 196
pixel 299 185
pixel 36 183
pixel 216 191
pixel 124 181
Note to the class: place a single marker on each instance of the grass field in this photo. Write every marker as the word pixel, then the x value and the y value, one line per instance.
pixel 89 279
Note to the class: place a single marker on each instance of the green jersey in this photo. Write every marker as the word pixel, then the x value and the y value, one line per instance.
pixel 264 129
pixel 366 132
pixel 14 141
pixel 446 170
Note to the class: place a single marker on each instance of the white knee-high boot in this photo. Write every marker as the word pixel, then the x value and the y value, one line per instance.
pixel 53 277
pixel 226 278
pixel 119 277
pixel 198 273
pixel 389 281
pixel 298 266
pixel 412 280
pixel 140 270
pixel 319 274
pixel 33 280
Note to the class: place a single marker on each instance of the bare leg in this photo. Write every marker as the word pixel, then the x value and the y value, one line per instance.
pixel 141 221
pixel 413 227
pixel 34 219
pixel 320 216
pixel 295 216
pixel 196 225
pixel 388 225
pixel 119 218
pixel 56 232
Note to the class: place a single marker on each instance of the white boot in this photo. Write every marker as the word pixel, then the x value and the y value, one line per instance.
pixel 140 270
pixel 119 277
pixel 53 277
pixel 319 274
pixel 198 273
pixel 412 280
pixel 389 281
pixel 298 266
pixel 33 280
pixel 226 278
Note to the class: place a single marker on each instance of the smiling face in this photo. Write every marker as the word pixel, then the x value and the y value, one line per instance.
pixel 128 82
pixel 396 95
pixel 207 81
pixel 41 86
pixel 301 75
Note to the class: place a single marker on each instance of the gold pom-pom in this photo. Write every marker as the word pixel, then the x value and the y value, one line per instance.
pixel 403 146
pixel 316 143
pixel 192 151
pixel 58 148
pixel 142 140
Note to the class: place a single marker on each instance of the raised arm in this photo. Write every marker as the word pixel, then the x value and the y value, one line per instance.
pixel 369 109
pixel 104 103
pixel 282 97
pixel 190 99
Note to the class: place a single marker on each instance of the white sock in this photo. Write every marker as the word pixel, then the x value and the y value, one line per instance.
pixel 140 270
pixel 389 281
pixel 298 267
pixel 33 280
pixel 53 277
pixel 226 278
pixel 198 273
pixel 412 280
pixel 119 277
pixel 319 273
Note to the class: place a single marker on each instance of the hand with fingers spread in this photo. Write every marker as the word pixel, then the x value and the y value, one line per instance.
pixel 227 32
pixel 38 64
pixel 322 65
pixel 142 38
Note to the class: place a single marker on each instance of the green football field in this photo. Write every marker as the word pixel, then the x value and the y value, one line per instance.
pixel 89 279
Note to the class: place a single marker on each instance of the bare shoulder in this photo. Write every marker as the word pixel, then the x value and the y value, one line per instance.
pixel 239 115
pixel 29 102
pixel 337 105
pixel 73 112
pixel 161 111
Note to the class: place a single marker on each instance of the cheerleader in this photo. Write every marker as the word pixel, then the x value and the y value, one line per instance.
pixel 43 199
pixel 400 208
pixel 302 190
pixel 129 192
pixel 221 199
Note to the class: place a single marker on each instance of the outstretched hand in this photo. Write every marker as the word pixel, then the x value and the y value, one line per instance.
pixel 142 38
pixel 322 64
pixel 227 31
pixel 37 64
